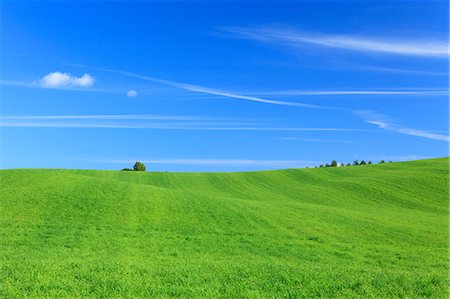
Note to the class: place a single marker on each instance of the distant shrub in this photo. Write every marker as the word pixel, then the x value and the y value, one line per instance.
pixel 370 162
pixel 127 169
pixel 355 163
pixel 138 166
pixel 363 162
pixel 334 163
pixel 348 164
pixel 382 162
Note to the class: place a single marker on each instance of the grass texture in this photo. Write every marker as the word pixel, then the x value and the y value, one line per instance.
pixel 365 231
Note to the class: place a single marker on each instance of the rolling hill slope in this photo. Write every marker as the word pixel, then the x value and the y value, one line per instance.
pixel 376 230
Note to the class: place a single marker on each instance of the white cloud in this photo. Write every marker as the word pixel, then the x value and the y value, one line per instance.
pixel 58 79
pixel 132 93
pixel 383 123
pixel 425 47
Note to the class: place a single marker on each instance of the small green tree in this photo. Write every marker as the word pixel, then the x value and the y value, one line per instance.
pixel 370 162
pixel 327 165
pixel 321 166
pixel 348 164
pixel 334 163
pixel 355 163
pixel 138 166
pixel 382 162
pixel 363 162
pixel 127 169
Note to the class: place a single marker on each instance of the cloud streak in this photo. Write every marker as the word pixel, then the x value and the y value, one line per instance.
pixel 382 122
pixel 105 117
pixel 397 46
pixel 357 92
pixel 154 122
pixel 64 81
pixel 210 91
pixel 314 140
pixel 395 70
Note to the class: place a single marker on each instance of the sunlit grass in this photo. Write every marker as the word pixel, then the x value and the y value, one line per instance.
pixel 376 230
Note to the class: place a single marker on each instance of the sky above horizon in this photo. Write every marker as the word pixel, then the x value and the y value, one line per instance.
pixel 222 86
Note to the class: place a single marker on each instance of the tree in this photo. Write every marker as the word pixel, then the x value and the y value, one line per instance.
pixel 355 163
pixel 321 166
pixel 334 163
pixel 138 166
pixel 382 162
pixel 127 169
pixel 327 165
pixel 363 162
pixel 342 164
pixel 370 162
pixel 348 164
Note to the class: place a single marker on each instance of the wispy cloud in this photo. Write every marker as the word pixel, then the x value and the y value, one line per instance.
pixel 167 126
pixel 382 122
pixel 18 83
pixel 59 79
pixel 247 98
pixel 294 92
pixel 425 47
pixel 105 117
pixel 155 122
pixel 394 70
pixel 302 139
pixel 64 81
pixel 207 90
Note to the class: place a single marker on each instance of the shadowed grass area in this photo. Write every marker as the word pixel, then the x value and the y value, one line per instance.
pixel 366 231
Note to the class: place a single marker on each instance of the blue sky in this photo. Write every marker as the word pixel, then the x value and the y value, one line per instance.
pixel 222 86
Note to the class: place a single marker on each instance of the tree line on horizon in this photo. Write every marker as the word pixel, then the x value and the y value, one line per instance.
pixel 334 163
pixel 139 166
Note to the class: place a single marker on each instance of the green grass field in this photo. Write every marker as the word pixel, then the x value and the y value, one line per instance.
pixel 366 231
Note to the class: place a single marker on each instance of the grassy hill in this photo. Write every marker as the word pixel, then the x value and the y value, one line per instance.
pixel 375 230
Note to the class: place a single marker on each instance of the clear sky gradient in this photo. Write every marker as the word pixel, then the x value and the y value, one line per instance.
pixel 222 86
